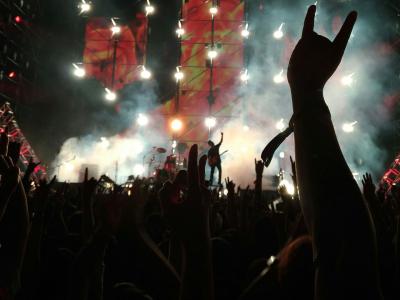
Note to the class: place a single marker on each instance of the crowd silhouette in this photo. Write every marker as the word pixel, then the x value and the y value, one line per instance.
pixel 149 239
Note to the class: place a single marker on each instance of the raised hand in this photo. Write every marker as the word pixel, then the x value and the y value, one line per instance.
pixel 259 167
pixel 230 186
pixel 368 185
pixel 186 207
pixel 315 57
pixel 187 211
pixel 14 149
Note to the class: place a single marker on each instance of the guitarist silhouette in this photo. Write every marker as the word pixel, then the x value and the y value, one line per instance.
pixel 214 159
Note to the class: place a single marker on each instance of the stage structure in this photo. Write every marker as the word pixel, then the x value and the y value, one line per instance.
pixel 7 119
pixel 115 50
pixel 211 64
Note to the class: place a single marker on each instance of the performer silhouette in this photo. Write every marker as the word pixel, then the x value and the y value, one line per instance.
pixel 214 159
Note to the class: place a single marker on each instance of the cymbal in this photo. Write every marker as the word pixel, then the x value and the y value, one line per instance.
pixel 161 150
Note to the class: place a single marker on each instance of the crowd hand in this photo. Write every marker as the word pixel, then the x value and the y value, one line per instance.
pixel 41 198
pixel 259 167
pixel 187 207
pixel 315 58
pixel 368 187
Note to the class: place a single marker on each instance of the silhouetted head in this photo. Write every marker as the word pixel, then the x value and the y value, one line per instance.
pixel 210 143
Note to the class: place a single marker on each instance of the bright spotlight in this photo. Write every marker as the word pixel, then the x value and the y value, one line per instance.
pixel 149 8
pixel 212 53
pixel 244 76
pixel 145 74
pixel 142 120
pixel 282 154
pixel 180 31
pixel 115 29
pixel 79 71
pixel 138 170
pixel 347 80
pixel 226 192
pixel 210 122
pixel 104 143
pixel 245 31
pixel 349 127
pixel 174 144
pixel 278 34
pixel 279 78
pixel 69 167
pixel 176 125
pixel 246 128
pixel 179 74
pixel 213 11
pixel 280 125
pixel 289 187
pixel 110 95
pixel 84 7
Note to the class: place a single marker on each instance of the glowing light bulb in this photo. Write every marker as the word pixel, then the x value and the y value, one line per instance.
pixel 278 34
pixel 110 95
pixel 178 74
pixel 226 192
pixel 142 120
pixel 279 78
pixel 349 127
pixel 145 74
pixel 176 125
pixel 149 8
pixel 115 29
pixel 280 125
pixel 213 11
pixel 282 154
pixel 180 31
pixel 210 122
pixel 245 31
pixel 79 71
pixel 85 7
pixel 212 53
pixel 244 76
pixel 347 80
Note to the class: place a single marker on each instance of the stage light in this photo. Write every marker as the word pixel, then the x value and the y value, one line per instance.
pixel 226 192
pixel 85 7
pixel 12 75
pixel 115 29
pixel 174 144
pixel 79 71
pixel 279 78
pixel 18 19
pixel 349 127
pixel 282 154
pixel 213 11
pixel 278 34
pixel 180 31
pixel 149 8
pixel 138 170
pixel 245 31
pixel 244 76
pixel 212 53
pixel 142 120
pixel 347 80
pixel 176 125
pixel 110 95
pixel 179 74
pixel 210 122
pixel 145 74
pixel 104 143
pixel 280 125
pixel 246 128
pixel 289 187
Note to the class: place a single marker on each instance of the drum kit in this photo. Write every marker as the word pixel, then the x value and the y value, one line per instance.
pixel 157 168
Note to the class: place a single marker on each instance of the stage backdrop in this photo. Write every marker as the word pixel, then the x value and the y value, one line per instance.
pixel 130 54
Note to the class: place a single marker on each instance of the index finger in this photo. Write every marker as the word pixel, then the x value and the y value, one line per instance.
pixel 343 36
pixel 193 172
pixel 308 27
